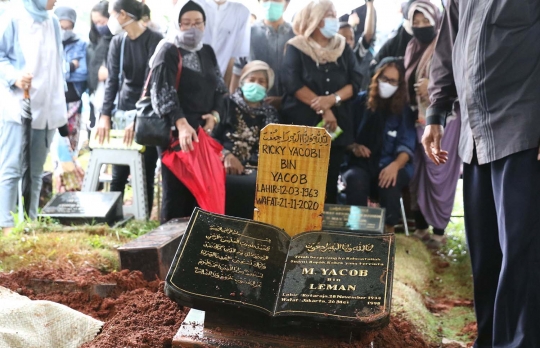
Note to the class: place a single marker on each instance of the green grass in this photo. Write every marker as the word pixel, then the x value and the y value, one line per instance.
pixel 417 276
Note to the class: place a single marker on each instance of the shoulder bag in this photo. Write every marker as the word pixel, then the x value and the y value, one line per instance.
pixel 122 118
pixel 150 128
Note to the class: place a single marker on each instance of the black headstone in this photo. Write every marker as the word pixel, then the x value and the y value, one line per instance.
pixel 75 208
pixel 353 218
pixel 340 278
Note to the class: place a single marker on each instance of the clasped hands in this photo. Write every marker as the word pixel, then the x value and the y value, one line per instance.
pixel 322 106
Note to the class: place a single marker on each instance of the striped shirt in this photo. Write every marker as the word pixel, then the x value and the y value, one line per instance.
pixel 488 57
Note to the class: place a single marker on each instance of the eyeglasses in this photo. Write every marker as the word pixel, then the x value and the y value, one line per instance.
pixel 393 82
pixel 198 25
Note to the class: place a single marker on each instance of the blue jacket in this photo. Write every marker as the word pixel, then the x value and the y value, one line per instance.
pixel 75 49
pixel 385 135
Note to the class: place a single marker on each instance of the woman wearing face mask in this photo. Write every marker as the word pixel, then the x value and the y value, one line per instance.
pixel 380 163
pixel 31 58
pixel 196 102
pixel 246 113
pixel 97 51
pixel 140 43
pixel 321 76
pixel 433 187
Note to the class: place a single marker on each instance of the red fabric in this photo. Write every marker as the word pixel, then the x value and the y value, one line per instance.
pixel 201 170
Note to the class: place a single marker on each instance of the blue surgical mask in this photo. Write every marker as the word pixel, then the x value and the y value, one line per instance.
pixel 103 30
pixel 331 27
pixel 273 11
pixel 253 92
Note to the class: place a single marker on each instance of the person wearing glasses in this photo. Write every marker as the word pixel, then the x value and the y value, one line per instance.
pixel 198 100
pixel 433 188
pixel 380 161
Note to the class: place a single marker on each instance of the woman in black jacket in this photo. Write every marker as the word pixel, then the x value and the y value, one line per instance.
pixel 126 85
pixel 197 100
pixel 322 75
pixel 96 58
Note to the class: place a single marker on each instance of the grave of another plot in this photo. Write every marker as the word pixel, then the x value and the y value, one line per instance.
pixel 77 208
pixel 153 253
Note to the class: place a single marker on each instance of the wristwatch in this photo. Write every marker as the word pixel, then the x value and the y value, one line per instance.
pixel 338 99
pixel 216 116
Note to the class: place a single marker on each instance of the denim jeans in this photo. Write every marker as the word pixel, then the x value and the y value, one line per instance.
pixel 10 167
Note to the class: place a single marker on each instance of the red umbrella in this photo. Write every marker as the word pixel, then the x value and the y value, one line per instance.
pixel 201 170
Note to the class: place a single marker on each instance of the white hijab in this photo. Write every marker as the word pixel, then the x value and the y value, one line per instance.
pixel 174 30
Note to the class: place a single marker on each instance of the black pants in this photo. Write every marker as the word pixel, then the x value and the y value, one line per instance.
pixel 361 185
pixel 120 176
pixel 337 156
pixel 502 221
pixel 178 201
pixel 421 223
pixel 240 195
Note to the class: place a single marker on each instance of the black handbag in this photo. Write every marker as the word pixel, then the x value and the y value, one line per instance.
pixel 150 128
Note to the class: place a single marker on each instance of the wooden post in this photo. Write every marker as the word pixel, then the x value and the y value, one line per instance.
pixel 291 177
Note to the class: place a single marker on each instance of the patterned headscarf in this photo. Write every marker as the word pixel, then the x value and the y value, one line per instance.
pixel 305 24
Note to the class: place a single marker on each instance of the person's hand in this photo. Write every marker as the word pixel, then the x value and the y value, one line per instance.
pixel 76 64
pixel 321 104
pixel 388 176
pixel 25 81
pixel 354 20
pixel 233 166
pixel 431 141
pixel 210 123
pixel 186 135
pixel 361 151
pixel 104 129
pixel 330 121
pixel 103 73
pixel 421 89
pixel 129 134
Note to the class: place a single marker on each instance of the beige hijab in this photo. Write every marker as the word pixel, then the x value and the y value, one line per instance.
pixel 258 65
pixel 305 23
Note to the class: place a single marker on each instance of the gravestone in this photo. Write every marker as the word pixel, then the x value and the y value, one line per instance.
pixel 283 270
pixel 76 208
pixel 353 218
pixel 291 177
pixel 330 277
pixel 153 253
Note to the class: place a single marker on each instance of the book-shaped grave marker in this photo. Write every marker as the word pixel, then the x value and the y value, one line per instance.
pixel 79 208
pixel 353 218
pixel 341 278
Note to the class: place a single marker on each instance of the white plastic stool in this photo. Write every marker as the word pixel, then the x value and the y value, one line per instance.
pixel 131 158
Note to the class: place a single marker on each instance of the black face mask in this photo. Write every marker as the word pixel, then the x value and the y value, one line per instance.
pixel 425 35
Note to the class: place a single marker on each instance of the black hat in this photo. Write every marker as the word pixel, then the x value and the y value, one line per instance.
pixel 192 6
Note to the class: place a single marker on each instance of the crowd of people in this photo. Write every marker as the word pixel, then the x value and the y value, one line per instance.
pixel 213 68
pixel 471 75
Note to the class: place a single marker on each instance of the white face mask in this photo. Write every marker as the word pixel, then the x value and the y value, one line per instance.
pixel 115 27
pixel 386 90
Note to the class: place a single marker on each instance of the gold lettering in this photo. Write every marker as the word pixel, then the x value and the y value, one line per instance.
pixel 343 272
pixel 353 273
pixel 363 273
pixel 331 287
pixel 308 271
pixel 351 287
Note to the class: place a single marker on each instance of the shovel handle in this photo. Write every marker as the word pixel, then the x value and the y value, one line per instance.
pixel 26 93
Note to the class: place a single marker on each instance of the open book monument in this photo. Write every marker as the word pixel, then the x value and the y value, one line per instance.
pixel 288 267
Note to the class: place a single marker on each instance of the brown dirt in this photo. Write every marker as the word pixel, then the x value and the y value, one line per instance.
pixel 439 305
pixel 138 314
